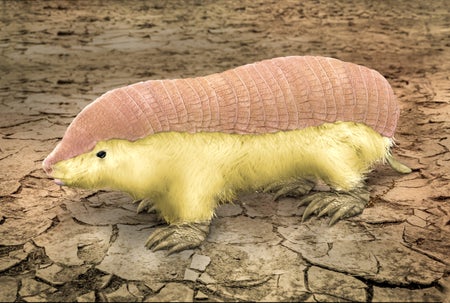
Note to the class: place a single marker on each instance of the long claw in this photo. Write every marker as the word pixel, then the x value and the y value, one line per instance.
pixel 161 245
pixel 157 236
pixel 145 204
pixel 342 213
pixel 176 238
pixel 292 187
pixel 306 200
pixel 180 247
pixel 329 209
pixel 316 205
pixel 323 203
pixel 284 191
pixel 141 207
pixel 272 187
pixel 310 210
pixel 337 205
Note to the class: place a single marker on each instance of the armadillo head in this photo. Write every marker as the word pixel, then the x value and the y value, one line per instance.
pixel 94 169
pixel 111 116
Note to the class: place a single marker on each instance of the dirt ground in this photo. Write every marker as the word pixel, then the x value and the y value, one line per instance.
pixel 61 244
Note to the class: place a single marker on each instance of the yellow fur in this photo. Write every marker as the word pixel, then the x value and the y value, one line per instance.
pixel 187 175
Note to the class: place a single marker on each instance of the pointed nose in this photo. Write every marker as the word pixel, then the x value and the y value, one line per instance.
pixel 59 182
pixel 47 167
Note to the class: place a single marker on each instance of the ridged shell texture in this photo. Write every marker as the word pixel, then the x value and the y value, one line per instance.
pixel 279 94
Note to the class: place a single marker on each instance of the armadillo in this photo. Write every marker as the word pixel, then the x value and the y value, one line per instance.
pixel 302 103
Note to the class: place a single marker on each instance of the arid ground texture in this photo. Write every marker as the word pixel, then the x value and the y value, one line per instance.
pixel 63 244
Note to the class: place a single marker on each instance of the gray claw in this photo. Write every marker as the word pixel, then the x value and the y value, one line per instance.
pixel 157 236
pixel 329 209
pixel 285 191
pixel 145 204
pixel 176 238
pixel 316 203
pixel 292 187
pixel 306 200
pixel 162 245
pixel 337 205
pixel 344 212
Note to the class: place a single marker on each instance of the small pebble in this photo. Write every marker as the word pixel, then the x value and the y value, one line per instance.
pixel 200 296
pixel 200 262
pixel 190 275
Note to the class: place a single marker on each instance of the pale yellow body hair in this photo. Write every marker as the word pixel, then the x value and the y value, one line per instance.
pixel 186 175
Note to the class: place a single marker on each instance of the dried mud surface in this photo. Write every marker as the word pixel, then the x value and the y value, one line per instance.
pixel 60 244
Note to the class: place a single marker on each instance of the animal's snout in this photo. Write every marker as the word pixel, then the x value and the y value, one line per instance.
pixel 49 171
pixel 47 167
pixel 59 182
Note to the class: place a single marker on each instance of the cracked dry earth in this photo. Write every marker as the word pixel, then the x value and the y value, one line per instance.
pixel 61 244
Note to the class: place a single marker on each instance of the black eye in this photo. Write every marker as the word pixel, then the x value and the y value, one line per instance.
pixel 101 154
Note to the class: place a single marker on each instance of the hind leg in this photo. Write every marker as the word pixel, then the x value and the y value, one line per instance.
pixel 145 205
pixel 336 204
pixel 293 187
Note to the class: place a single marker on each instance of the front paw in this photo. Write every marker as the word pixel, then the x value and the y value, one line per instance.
pixel 337 205
pixel 176 238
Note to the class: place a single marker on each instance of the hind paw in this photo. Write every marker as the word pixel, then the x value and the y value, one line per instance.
pixel 176 238
pixel 293 187
pixel 337 205
pixel 145 205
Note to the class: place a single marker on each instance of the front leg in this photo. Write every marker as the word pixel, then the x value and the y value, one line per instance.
pixel 178 237
pixel 337 204
pixel 188 213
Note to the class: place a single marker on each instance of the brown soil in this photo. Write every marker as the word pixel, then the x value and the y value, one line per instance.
pixel 65 245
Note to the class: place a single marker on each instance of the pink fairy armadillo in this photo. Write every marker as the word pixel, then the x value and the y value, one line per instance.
pixel 273 95
pixel 183 146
